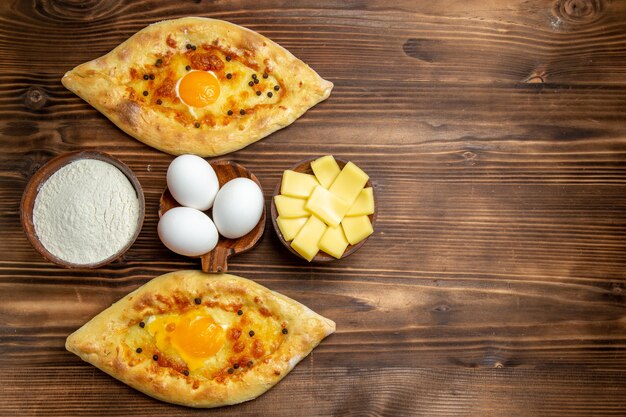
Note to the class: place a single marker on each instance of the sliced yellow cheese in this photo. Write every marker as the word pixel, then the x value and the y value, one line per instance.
pixel 296 184
pixel 290 207
pixel 349 183
pixel 290 227
pixel 364 203
pixel 305 242
pixel 325 170
pixel 327 206
pixel 334 242
pixel 356 228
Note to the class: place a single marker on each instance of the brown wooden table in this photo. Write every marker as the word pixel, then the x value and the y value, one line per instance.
pixel 495 134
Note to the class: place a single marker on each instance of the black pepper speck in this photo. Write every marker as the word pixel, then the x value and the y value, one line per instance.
pixel 155 357
pixel 236 366
pixel 251 333
pixel 229 75
pixel 142 324
pixel 242 112
pixel 231 370
pixel 239 312
pixel 145 77
pixel 285 331
pixel 139 350
pixel 145 93
pixel 269 94
pixel 276 88
pixel 230 112
pixel 197 300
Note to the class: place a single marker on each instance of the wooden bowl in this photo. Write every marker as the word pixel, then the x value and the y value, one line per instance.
pixel 305 168
pixel 216 260
pixel 42 175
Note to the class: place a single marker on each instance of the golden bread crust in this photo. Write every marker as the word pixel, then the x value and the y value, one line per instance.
pixel 102 341
pixel 103 83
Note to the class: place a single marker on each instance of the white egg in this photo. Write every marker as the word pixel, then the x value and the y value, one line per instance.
pixel 238 207
pixel 192 182
pixel 187 231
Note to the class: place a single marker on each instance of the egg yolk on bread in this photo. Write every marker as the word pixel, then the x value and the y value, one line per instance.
pixel 194 336
pixel 206 340
pixel 198 88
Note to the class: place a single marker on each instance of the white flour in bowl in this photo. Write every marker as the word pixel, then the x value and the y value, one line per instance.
pixel 86 212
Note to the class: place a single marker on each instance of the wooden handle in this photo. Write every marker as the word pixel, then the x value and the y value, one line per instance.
pixel 214 262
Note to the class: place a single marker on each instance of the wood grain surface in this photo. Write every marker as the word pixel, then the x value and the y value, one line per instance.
pixel 495 135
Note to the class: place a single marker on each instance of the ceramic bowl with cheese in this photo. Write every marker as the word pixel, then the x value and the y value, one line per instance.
pixel 323 208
